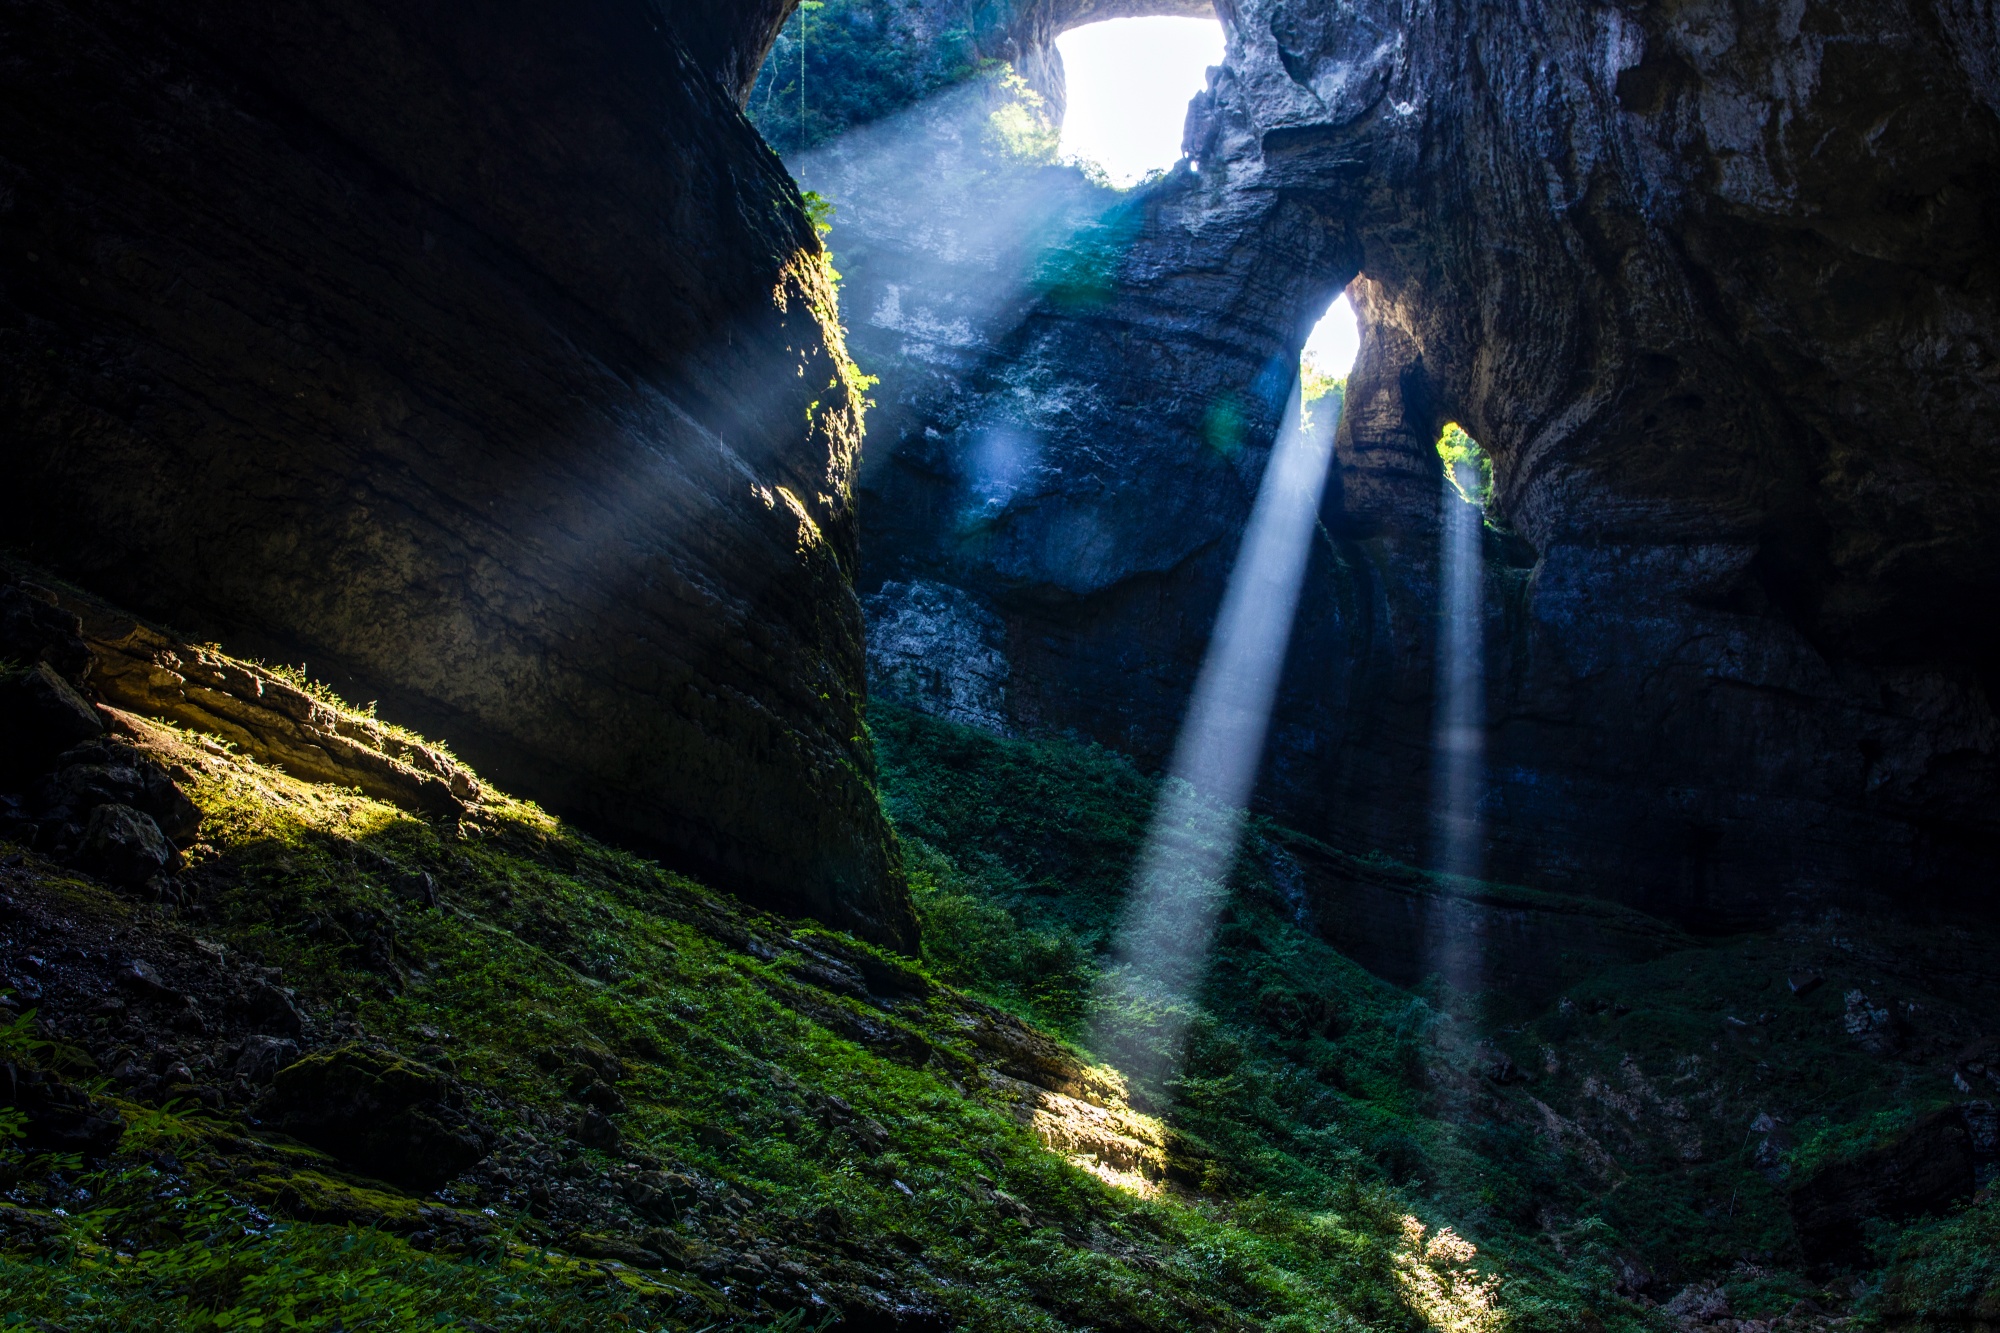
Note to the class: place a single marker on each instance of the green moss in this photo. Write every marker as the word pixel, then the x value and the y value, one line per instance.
pixel 1318 1112
pixel 546 944
pixel 1466 464
pixel 1625 1134
pixel 1828 1138
pixel 1944 1272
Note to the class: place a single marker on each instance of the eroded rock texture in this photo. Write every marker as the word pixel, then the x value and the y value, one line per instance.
pixel 1715 286
pixel 482 356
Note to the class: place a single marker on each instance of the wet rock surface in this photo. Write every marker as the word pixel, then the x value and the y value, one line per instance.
pixel 484 361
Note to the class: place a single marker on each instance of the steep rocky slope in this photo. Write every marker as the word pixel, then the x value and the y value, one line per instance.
pixel 484 359
pixel 331 1062
pixel 1716 291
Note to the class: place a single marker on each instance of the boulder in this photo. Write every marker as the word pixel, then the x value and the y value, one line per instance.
pixel 1922 1170
pixel 60 1117
pixel 594 1129
pixel 274 1010
pixel 261 1057
pixel 124 846
pixel 107 771
pixel 41 715
pixel 34 629
pixel 381 1114
pixel 144 980
pixel 1700 1303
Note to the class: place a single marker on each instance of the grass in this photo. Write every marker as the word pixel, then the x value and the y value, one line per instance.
pixel 1624 1136
pixel 1336 1145
pixel 548 944
pixel 1945 1273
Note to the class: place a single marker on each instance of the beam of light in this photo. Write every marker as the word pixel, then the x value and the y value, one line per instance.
pixel 1127 83
pixel 950 231
pixel 1140 1009
pixel 1459 720
pixel 941 223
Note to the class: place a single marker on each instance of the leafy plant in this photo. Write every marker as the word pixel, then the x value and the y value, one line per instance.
pixel 1466 465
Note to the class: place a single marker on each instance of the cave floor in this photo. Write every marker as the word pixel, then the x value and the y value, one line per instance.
pixel 682 1113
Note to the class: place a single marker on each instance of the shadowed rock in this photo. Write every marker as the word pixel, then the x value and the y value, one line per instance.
pixel 41 715
pixel 59 1117
pixel 380 1114
pixel 124 845
pixel 1924 1169
pixel 480 357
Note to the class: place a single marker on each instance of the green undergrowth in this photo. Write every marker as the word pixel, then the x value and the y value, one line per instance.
pixel 546 948
pixel 1945 1273
pixel 1612 1126
pixel 1338 1141
pixel 1304 1077
pixel 219 1263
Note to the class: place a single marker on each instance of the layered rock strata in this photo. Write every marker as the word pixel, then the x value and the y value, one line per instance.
pixel 486 360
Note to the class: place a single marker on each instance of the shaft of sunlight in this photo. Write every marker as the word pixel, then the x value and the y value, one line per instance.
pixel 1128 82
pixel 1178 889
pixel 1458 754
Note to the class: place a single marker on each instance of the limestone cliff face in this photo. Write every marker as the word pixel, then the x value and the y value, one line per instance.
pixel 484 358
pixel 1716 289
pixel 730 41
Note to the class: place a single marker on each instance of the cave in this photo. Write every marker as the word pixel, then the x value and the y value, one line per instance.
pixel 977 664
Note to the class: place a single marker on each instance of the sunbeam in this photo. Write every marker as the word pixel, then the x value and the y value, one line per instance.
pixel 1459 728
pixel 1163 942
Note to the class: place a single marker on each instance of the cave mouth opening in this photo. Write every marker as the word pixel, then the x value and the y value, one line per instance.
pixel 1127 83
pixel 1333 343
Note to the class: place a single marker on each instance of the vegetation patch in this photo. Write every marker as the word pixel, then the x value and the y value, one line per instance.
pixel 688 1115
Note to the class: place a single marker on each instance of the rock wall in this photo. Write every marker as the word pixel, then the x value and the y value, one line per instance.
pixel 1716 291
pixel 1712 288
pixel 485 359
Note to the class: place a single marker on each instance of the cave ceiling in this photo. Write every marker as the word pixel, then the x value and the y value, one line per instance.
pixel 1714 288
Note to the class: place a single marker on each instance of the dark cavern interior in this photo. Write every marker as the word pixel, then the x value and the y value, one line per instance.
pixel 669 665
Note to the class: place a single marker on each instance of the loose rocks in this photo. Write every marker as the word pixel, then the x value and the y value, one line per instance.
pixel 124 845
pixel 380 1113
pixel 41 715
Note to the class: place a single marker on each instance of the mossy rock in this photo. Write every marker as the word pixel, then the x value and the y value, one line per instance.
pixel 380 1114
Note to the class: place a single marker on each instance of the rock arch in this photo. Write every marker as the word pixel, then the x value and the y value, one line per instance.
pixel 1713 292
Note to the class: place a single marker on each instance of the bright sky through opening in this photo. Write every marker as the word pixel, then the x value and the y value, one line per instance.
pixel 1334 341
pixel 1129 81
